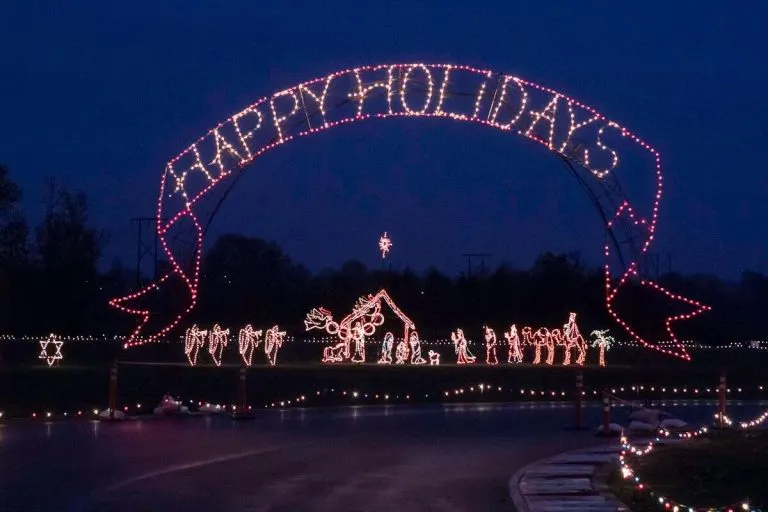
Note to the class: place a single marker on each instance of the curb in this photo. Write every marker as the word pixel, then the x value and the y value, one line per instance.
pixel 598 480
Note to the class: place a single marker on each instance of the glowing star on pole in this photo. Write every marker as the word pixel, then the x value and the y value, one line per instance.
pixel 592 146
pixel 194 339
pixel 385 244
pixel 248 340
pixel 217 341
pixel 50 349
pixel 603 342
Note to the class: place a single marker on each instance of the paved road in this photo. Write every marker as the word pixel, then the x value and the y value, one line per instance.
pixel 368 458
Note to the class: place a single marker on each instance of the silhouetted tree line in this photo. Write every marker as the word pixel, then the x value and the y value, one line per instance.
pixel 50 282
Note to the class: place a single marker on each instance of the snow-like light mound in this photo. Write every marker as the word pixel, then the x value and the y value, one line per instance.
pixel 119 415
pixel 170 406
pixel 212 409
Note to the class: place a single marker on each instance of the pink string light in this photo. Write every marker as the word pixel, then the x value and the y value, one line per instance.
pixel 265 125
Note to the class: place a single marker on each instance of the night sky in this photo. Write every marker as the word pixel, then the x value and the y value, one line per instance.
pixel 101 97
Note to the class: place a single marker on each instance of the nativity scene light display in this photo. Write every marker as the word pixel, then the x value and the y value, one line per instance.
pixel 352 336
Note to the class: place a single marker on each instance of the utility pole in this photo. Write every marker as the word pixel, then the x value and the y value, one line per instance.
pixel 146 244
pixel 482 256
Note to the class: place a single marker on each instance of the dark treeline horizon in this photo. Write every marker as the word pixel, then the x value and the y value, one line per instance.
pixel 50 281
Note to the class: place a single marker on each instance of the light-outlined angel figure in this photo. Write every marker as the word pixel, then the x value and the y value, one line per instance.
pixel 460 345
pixel 218 339
pixel 194 339
pixel 248 340
pixel 515 354
pixel 273 340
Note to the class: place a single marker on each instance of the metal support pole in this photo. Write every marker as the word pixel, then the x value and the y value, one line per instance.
pixel 112 390
pixel 579 392
pixel 721 391
pixel 243 405
pixel 606 413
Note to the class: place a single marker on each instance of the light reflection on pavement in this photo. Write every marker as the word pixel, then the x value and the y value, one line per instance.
pixel 452 457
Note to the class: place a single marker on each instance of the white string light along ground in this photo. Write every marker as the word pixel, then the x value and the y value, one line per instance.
pixel 490 346
pixel 603 342
pixel 273 340
pixel 50 350
pixel 385 244
pixel 218 339
pixel 415 345
pixel 515 354
pixel 460 346
pixel 386 349
pixel 248 341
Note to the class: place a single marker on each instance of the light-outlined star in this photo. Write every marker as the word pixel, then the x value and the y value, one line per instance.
pixel 385 244
pixel 45 351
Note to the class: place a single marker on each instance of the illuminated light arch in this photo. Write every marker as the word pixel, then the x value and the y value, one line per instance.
pixel 588 141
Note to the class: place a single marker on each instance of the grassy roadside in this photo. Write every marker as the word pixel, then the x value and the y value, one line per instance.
pixel 718 470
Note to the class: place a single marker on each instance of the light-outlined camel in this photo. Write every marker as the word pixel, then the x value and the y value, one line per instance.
pixel 574 339
pixel 540 339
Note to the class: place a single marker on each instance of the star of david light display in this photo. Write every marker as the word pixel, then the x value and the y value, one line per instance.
pixel 50 350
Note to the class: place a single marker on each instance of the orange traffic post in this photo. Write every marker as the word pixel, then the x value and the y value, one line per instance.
pixel 112 403
pixel 243 403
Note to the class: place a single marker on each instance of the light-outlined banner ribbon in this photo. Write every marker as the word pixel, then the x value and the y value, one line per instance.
pixel 594 146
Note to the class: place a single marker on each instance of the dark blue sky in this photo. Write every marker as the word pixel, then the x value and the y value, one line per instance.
pixel 101 97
